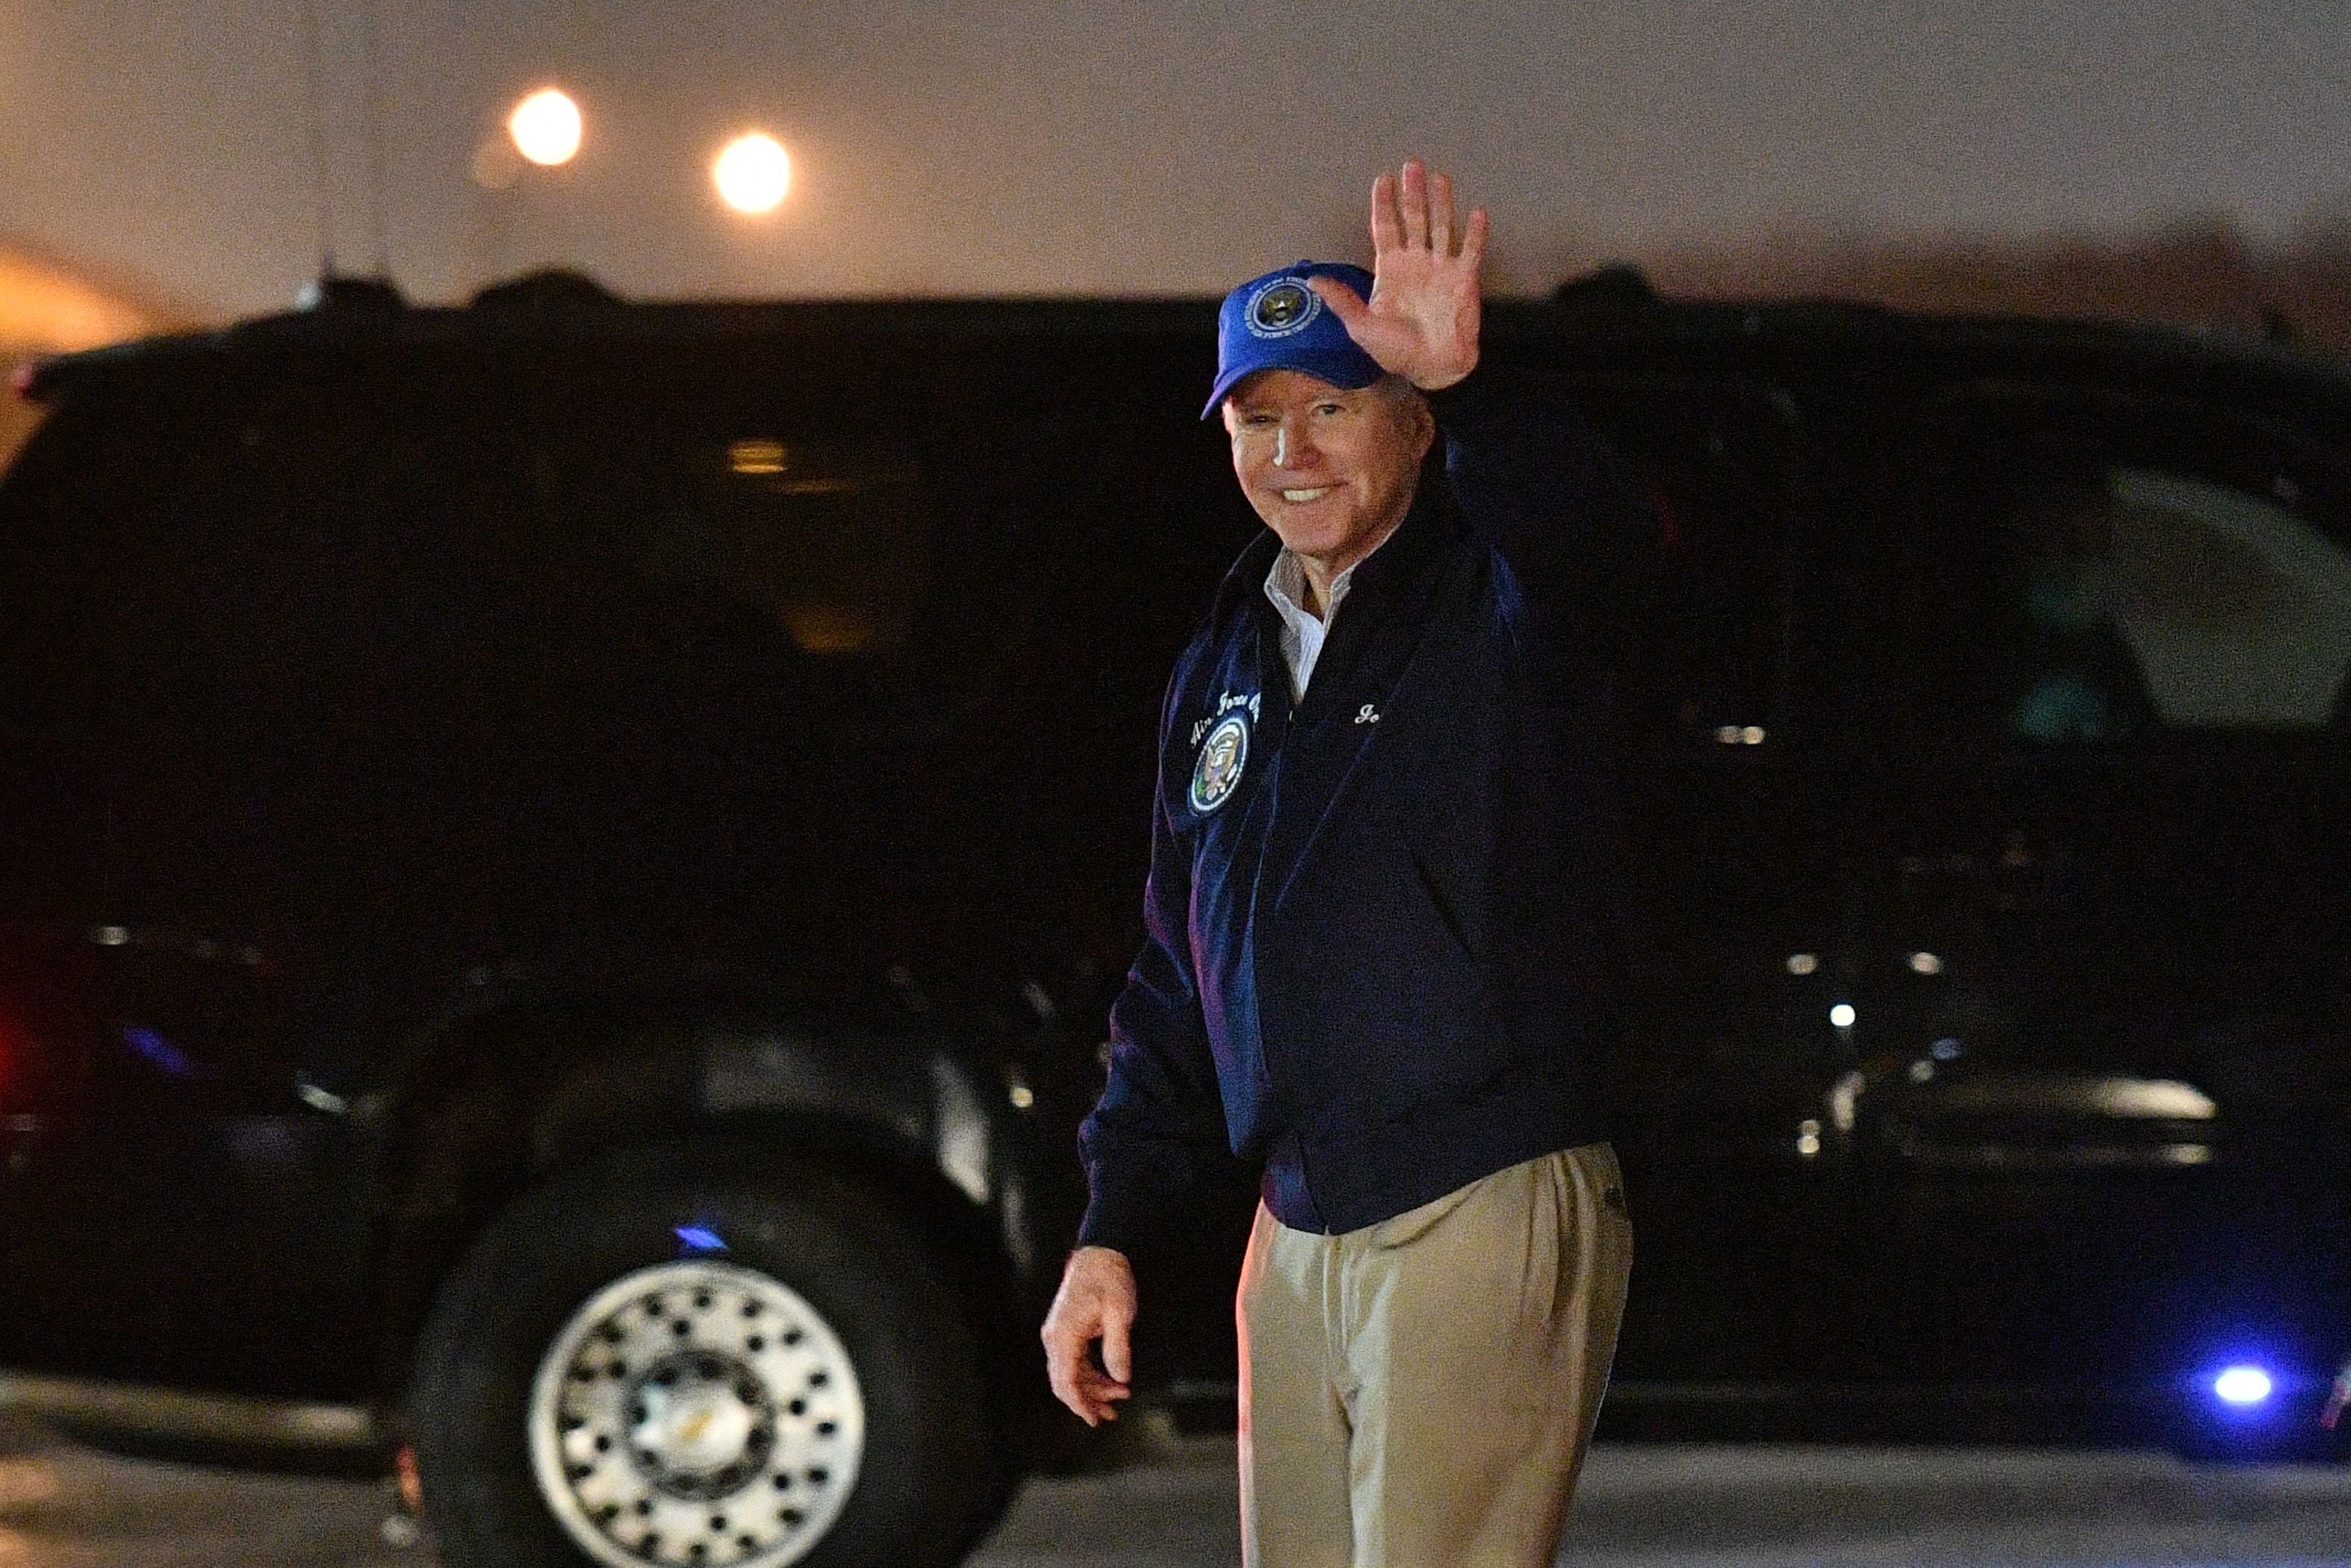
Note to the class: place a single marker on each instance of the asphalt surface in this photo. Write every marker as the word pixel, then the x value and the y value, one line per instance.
pixel 63 1505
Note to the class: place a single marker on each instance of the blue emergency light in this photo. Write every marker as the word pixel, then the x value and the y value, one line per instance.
pixel 699 1238
pixel 2243 1385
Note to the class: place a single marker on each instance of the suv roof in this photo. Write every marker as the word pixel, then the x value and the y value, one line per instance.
pixel 1601 314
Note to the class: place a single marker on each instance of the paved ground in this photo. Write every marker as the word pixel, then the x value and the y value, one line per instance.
pixel 63 1506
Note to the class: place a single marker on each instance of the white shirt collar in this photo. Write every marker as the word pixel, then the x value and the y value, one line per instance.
pixel 1302 634
pixel 1286 586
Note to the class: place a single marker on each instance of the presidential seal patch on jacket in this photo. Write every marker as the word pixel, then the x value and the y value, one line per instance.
pixel 1222 757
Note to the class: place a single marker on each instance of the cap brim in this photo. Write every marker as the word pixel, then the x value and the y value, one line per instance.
pixel 1346 377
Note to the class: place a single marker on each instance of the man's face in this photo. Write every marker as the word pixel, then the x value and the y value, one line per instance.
pixel 1330 470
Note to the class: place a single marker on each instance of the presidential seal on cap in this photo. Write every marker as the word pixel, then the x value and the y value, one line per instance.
pixel 1279 308
pixel 1277 323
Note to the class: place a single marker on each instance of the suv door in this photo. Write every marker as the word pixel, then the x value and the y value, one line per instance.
pixel 1734 783
pixel 962 707
pixel 52 820
pixel 2103 1016
pixel 256 600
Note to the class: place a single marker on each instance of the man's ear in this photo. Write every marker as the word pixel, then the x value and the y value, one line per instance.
pixel 1423 426
pixel 1419 422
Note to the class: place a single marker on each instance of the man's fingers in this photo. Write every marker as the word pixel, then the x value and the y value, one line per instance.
pixel 1098 1389
pixel 1065 1383
pixel 1078 1386
pixel 1091 1397
pixel 1440 213
pixel 1117 1357
pixel 1374 337
pixel 1415 205
pixel 1094 1398
pixel 1345 302
pixel 1063 1358
pixel 1473 239
pixel 1387 226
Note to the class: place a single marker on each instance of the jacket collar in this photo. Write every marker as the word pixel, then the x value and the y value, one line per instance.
pixel 1381 576
pixel 1383 580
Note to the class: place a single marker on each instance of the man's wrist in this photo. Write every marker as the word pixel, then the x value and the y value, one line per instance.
pixel 1117 1216
pixel 1453 378
pixel 1457 395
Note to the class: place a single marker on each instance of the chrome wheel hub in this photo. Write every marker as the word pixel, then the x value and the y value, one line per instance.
pixel 696 1413
pixel 698 1423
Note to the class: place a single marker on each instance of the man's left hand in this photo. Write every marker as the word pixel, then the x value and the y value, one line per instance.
pixel 1421 321
pixel 1096 1302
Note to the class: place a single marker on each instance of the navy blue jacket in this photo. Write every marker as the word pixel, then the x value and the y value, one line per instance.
pixel 1381 932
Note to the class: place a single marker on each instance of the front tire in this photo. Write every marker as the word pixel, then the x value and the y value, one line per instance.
pixel 599 1384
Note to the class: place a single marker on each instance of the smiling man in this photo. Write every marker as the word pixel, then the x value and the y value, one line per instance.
pixel 1332 471
pixel 1379 952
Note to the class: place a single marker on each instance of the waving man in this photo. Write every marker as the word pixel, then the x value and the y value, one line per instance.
pixel 1380 938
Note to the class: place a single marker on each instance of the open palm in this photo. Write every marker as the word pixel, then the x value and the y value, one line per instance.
pixel 1421 321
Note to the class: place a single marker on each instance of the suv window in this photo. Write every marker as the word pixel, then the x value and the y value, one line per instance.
pixel 1707 656
pixel 2237 612
pixel 892 529
pixel 2095 571
pixel 830 537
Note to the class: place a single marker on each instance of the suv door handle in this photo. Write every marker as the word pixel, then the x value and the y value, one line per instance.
pixel 2016 855
pixel 1959 865
pixel 22 1130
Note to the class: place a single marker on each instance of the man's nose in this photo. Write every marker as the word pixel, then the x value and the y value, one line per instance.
pixel 1292 448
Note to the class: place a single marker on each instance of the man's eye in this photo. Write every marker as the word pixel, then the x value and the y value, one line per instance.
pixel 1329 408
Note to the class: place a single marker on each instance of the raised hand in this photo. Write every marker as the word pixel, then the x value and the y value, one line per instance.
pixel 1421 321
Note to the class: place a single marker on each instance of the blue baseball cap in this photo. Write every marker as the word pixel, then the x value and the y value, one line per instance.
pixel 1277 323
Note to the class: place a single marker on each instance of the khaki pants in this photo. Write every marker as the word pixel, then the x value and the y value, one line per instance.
pixel 1419 1394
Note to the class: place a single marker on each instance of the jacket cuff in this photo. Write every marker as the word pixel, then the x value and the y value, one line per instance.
pixel 1116 1219
pixel 1467 402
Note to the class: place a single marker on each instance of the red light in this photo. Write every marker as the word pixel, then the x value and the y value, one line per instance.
pixel 412 1478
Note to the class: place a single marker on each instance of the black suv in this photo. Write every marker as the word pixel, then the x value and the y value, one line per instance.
pixel 561 863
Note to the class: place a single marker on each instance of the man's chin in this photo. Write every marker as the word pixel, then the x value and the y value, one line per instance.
pixel 1308 537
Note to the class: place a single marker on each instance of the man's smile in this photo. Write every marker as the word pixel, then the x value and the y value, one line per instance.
pixel 1313 494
